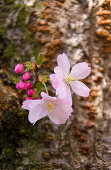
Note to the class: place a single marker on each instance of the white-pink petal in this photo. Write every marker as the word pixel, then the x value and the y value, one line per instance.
pixel 25 104
pixel 68 95
pixel 54 81
pixel 59 115
pixel 80 71
pixel 59 73
pixel 36 113
pixel 80 88
pixel 61 90
pixel 63 63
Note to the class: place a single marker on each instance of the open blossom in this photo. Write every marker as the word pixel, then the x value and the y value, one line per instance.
pixel 19 68
pixel 57 109
pixel 26 75
pixel 63 78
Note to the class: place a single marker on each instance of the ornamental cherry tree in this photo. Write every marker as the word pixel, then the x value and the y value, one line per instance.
pixel 64 80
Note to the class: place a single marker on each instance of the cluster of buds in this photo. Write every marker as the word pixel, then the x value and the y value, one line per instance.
pixel 24 83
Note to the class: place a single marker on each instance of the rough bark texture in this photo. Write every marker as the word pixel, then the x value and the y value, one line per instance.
pixel 82 30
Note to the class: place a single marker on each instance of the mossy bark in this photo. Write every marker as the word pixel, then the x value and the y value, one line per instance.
pixel 53 27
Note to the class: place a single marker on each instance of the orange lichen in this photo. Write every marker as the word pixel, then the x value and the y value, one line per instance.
pixel 106 2
pixel 104 12
pixel 43 29
pixel 101 69
pixel 105 21
pixel 109 38
pixel 59 4
pixel 90 124
pixel 102 32
pixel 46 4
pixel 83 138
pixel 41 22
pixel 42 41
pixel 85 150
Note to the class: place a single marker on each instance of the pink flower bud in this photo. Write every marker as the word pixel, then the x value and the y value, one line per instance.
pixel 29 98
pixel 17 86
pixel 22 85
pixel 19 68
pixel 29 84
pixel 37 98
pixel 26 75
pixel 30 92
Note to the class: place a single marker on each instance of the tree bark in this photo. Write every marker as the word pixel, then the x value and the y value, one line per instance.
pixel 82 30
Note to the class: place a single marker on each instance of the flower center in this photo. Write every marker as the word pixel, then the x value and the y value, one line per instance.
pixel 69 79
pixel 50 107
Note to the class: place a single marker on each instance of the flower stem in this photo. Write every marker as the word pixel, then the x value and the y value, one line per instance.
pixel 45 88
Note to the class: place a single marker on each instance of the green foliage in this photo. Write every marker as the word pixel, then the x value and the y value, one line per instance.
pixel 17 6
pixel 9 51
pixel 21 20
pixel 44 79
pixel 28 36
pixel 29 65
pixel 15 80
pixel 39 87
pixel 2 31
pixel 10 1
pixel 40 60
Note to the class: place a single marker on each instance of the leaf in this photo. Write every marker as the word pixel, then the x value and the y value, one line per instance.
pixel 28 65
pixel 25 70
pixel 44 78
pixel 40 60
pixel 15 80
pixel 39 87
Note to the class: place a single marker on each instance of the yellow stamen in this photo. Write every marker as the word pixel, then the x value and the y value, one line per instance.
pixel 69 79
pixel 76 79
pixel 50 106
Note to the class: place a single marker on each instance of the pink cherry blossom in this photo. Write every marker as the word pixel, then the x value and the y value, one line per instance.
pixel 63 78
pixel 19 68
pixel 26 75
pixel 29 84
pixel 22 85
pixel 29 98
pixel 57 109
pixel 30 92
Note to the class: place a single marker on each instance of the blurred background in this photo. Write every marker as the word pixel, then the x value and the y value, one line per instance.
pixel 82 30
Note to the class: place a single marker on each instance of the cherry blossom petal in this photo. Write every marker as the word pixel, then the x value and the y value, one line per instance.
pixel 80 88
pixel 25 104
pixel 63 63
pixel 68 95
pixel 46 96
pixel 61 90
pixel 59 73
pixel 37 112
pixel 59 115
pixel 54 81
pixel 80 70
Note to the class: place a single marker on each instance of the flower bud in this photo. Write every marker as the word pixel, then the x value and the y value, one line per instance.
pixel 29 84
pixel 29 98
pixel 26 75
pixel 19 68
pixel 22 85
pixel 30 92
pixel 17 86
